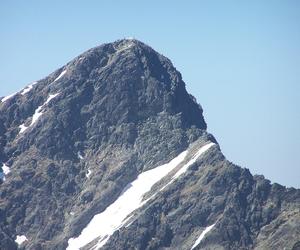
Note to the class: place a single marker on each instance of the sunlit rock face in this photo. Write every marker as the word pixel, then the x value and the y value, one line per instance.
pixel 111 152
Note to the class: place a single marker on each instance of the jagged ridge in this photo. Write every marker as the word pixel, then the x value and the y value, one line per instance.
pixel 75 139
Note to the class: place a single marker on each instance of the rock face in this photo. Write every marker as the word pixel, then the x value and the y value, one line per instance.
pixel 77 141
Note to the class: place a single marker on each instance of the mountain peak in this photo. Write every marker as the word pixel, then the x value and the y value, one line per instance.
pixel 124 82
pixel 111 152
pixel 133 72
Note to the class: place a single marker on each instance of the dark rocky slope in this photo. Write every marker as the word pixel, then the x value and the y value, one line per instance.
pixel 121 109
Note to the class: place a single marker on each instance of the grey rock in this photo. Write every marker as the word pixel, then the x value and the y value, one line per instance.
pixel 122 109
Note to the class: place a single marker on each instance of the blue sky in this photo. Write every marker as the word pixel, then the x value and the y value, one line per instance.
pixel 240 59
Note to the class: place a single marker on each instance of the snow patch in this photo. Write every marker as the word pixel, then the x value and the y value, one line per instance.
pixel 201 151
pixel 24 91
pixel 88 174
pixel 182 170
pixel 8 97
pixel 60 75
pixel 103 225
pixel 5 171
pixel 50 98
pixel 202 235
pixel 116 215
pixel 22 128
pixel 20 239
pixel 28 88
pixel 37 114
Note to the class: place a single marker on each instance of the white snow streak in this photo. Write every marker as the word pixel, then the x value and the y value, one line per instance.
pixel 60 75
pixel 193 160
pixel 28 88
pixel 182 170
pixel 37 114
pixel 20 239
pixel 202 235
pixel 50 98
pixel 22 128
pixel 80 156
pixel 8 97
pixel 103 225
pixel 24 91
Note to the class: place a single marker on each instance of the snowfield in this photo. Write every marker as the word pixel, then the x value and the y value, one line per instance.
pixel 115 216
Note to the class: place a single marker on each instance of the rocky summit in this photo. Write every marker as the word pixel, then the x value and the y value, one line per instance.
pixel 111 152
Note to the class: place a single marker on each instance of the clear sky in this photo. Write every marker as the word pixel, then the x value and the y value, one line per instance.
pixel 240 59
